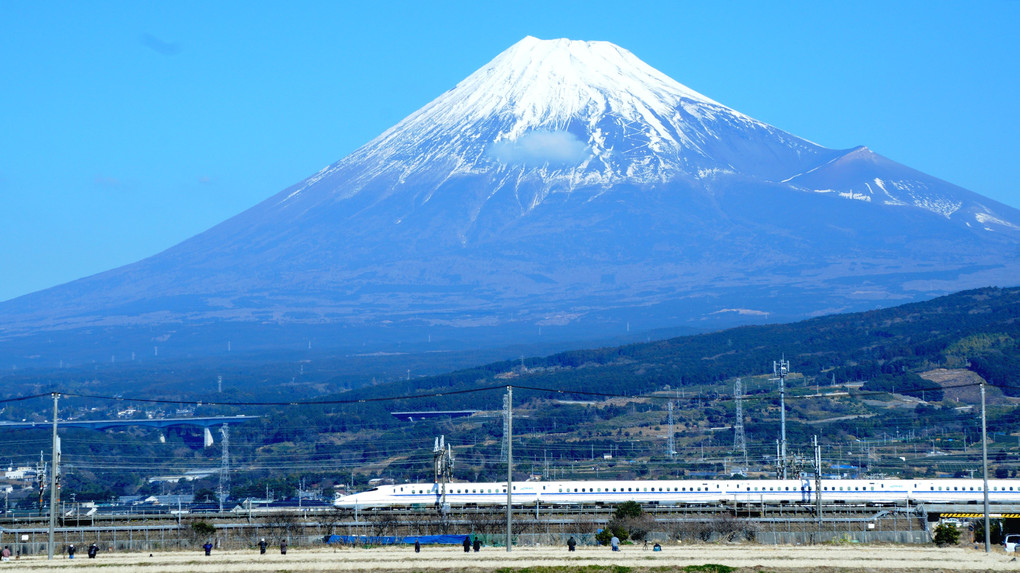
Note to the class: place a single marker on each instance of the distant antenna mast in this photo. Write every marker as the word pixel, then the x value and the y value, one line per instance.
pixel 739 439
pixel 670 442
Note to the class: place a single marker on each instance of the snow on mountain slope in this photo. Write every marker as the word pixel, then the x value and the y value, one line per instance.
pixel 573 114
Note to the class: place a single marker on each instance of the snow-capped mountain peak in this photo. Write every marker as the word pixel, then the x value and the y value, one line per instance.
pixel 545 84
pixel 575 115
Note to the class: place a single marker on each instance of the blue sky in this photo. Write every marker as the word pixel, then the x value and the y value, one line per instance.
pixel 127 127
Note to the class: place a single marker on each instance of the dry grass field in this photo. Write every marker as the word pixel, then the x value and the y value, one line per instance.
pixel 741 558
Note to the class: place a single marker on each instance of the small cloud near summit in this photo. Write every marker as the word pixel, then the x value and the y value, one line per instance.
pixel 538 148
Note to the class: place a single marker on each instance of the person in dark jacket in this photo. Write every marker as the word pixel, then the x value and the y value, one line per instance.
pixel 262 546
pixel 283 547
pixel 208 548
pixel 477 544
pixel 70 551
pixel 93 550
pixel 467 544
pixel 417 546
pixel 571 544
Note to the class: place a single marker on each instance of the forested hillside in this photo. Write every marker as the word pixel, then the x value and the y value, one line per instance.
pixel 891 392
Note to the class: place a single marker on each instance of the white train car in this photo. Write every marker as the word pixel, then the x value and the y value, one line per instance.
pixel 854 491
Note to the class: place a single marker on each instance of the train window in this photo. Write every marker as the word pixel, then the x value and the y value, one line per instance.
pixel 628 489
pixel 787 489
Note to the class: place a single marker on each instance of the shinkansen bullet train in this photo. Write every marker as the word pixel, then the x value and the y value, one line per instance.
pixel 860 491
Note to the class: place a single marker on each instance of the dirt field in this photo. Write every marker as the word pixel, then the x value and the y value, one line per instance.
pixel 744 558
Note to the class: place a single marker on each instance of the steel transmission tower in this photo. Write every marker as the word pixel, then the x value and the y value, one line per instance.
pixel 442 456
pixel 780 370
pixel 739 439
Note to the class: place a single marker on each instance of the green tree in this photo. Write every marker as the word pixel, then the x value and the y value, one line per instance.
pixel 946 534
pixel 628 510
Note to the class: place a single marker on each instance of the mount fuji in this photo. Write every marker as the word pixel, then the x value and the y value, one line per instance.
pixel 565 189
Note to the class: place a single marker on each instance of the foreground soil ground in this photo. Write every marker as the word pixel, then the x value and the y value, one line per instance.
pixel 744 558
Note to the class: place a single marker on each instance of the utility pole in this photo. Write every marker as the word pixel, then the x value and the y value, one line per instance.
pixel 509 463
pixel 818 481
pixel 780 370
pixel 984 467
pixel 670 442
pixel 53 475
pixel 506 420
pixel 224 465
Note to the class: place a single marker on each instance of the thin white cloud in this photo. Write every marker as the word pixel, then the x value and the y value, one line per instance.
pixel 538 148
